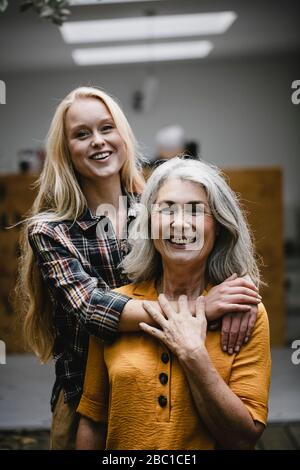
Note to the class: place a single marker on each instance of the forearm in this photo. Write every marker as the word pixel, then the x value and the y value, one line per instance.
pixel 133 314
pixel 221 410
pixel 90 435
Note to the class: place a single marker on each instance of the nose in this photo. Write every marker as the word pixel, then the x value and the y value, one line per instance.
pixel 97 140
pixel 180 222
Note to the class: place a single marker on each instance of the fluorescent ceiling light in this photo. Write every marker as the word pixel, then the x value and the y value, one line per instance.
pixel 142 53
pixel 148 27
pixel 102 2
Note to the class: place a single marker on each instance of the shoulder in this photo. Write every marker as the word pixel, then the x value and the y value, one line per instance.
pixel 41 231
pixel 259 343
pixel 42 225
pixel 140 291
pixel 127 290
pixel 262 320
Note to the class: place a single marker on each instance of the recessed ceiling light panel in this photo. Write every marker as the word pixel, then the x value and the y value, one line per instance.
pixel 142 53
pixel 148 27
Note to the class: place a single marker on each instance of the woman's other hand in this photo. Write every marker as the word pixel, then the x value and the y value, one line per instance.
pixel 237 329
pixel 237 326
pixel 180 331
pixel 234 295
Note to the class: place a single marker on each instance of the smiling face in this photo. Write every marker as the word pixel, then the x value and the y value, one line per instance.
pixel 182 223
pixel 96 147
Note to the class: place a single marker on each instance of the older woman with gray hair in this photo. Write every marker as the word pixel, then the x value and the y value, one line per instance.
pixel 171 386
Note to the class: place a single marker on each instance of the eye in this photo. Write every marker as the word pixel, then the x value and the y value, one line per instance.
pixel 107 128
pixel 82 134
pixel 167 210
pixel 195 209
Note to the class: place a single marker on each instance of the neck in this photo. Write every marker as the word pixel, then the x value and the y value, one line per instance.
pixel 182 280
pixel 102 191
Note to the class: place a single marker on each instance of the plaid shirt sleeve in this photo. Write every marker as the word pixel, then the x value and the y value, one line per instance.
pixel 79 293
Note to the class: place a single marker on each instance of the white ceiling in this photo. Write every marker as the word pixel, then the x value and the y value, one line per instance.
pixel 263 27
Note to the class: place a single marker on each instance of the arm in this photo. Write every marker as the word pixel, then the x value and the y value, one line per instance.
pixel 73 286
pixel 90 435
pixel 233 295
pixel 134 313
pixel 223 412
pixel 88 297
pixel 79 293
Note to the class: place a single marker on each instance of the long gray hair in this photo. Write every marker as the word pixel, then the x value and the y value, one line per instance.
pixel 233 250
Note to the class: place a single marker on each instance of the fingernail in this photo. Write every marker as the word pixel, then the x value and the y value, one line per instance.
pixel 237 348
pixel 246 339
pixel 224 348
pixel 230 350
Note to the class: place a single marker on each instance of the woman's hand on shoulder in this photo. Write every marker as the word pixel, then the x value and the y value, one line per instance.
pixel 236 300
pixel 235 294
pixel 237 329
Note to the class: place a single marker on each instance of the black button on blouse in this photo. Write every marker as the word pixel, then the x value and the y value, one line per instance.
pixel 165 358
pixel 162 400
pixel 163 378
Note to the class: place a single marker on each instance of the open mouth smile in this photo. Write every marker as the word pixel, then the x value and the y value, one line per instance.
pixel 101 156
pixel 182 241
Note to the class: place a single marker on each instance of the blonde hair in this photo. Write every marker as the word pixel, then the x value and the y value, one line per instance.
pixel 61 198
pixel 233 250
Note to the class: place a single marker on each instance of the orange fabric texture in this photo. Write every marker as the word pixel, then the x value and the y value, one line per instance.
pixel 124 386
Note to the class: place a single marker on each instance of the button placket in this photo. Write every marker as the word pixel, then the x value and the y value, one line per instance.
pixel 163 377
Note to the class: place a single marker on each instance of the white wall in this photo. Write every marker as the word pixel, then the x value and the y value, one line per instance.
pixel 240 111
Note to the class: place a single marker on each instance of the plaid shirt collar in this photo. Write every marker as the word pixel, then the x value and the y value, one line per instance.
pixel 88 220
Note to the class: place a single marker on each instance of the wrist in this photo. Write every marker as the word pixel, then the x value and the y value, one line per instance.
pixel 190 354
pixel 210 314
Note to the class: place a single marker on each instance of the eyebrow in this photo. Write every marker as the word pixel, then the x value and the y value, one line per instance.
pixel 84 125
pixel 170 203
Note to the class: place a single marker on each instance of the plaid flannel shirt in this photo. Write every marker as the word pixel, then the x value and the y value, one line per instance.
pixel 79 269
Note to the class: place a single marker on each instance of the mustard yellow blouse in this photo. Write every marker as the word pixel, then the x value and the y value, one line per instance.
pixel 138 387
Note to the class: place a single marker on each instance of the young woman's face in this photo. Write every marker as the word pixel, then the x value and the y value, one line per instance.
pixel 96 147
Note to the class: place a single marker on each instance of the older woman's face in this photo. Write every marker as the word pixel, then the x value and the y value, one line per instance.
pixel 182 225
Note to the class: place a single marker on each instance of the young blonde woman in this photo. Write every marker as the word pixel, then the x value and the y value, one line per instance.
pixel 69 266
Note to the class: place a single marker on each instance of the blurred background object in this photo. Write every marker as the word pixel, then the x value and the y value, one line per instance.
pixel 31 160
pixel 170 141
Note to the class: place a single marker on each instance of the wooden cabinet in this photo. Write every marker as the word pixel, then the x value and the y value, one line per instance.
pixel 16 197
pixel 260 191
